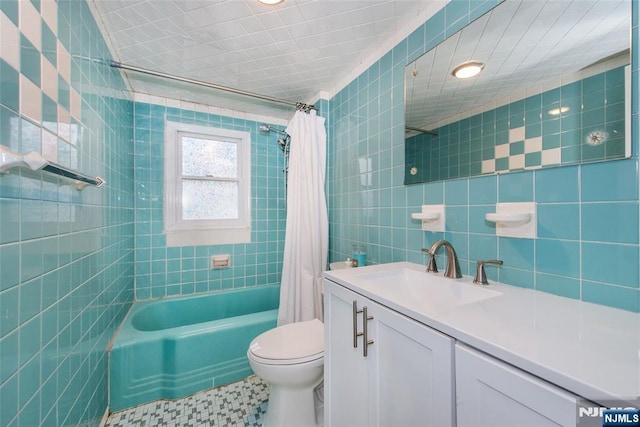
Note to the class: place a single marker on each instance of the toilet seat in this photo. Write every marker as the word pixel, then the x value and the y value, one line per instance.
pixel 290 344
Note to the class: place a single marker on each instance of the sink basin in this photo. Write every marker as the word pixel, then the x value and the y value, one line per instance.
pixel 424 290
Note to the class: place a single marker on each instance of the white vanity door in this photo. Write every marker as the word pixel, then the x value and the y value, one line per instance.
pixel 346 372
pixel 413 365
pixel 406 379
pixel 491 393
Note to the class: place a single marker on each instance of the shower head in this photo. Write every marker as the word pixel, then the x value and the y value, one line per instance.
pixel 283 142
pixel 265 128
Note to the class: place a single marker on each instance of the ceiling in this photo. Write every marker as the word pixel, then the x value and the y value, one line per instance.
pixel 526 46
pixel 298 50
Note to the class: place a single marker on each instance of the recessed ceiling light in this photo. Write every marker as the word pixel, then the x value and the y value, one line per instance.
pixel 270 2
pixel 468 69
pixel 558 111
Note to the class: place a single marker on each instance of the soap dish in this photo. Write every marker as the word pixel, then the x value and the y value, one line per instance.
pixel 432 217
pixel 508 218
pixel 426 216
pixel 515 219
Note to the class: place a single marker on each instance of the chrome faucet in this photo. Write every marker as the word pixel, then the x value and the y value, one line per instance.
pixel 453 266
pixel 481 276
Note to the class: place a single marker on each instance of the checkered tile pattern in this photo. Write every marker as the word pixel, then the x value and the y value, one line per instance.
pixel 59 98
pixel 243 403
pixel 47 93
pixel 511 156
pixel 578 121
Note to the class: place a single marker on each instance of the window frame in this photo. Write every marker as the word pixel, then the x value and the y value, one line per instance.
pixel 181 232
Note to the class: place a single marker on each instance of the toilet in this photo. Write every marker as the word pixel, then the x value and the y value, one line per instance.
pixel 291 359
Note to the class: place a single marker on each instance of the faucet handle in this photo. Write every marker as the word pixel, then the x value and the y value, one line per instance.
pixel 431 267
pixel 481 276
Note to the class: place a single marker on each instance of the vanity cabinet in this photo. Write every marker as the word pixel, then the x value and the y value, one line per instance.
pixel 413 375
pixel 406 376
pixel 449 353
pixel 492 393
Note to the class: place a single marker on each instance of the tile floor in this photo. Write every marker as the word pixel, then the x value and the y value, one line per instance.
pixel 239 404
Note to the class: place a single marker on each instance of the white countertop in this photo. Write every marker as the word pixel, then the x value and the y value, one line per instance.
pixel 588 349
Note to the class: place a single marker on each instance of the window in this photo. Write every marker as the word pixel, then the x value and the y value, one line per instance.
pixel 207 189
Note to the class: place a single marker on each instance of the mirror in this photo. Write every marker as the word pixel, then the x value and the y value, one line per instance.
pixel 554 89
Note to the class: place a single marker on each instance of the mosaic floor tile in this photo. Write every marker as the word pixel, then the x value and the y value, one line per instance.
pixel 239 404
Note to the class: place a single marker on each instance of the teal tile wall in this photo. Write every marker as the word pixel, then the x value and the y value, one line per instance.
pixel 472 146
pixel 587 246
pixel 168 271
pixel 66 257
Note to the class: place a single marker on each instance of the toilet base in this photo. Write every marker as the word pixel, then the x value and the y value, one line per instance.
pixel 291 407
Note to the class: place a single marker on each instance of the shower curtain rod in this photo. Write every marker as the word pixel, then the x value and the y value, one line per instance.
pixel 299 105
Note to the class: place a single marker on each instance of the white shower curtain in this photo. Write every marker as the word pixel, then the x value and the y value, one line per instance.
pixel 307 230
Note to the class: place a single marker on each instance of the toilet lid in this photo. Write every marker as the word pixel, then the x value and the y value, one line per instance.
pixel 289 344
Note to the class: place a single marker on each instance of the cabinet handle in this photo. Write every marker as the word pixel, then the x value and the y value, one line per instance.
pixel 356 334
pixel 366 342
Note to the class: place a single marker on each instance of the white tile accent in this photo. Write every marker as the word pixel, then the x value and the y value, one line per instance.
pixel 31 23
pixel 49 79
pixel 516 162
pixel 501 151
pixel 64 124
pixel 64 62
pixel 30 99
pixel 550 84
pixel 533 145
pixel 551 157
pixel 173 103
pixel 152 99
pixel 49 12
pixel 488 166
pixel 49 146
pixel 10 45
pixel 185 105
pixel 149 99
pixel 75 104
pixel 516 134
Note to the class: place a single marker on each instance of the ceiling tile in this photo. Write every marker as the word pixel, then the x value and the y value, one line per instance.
pixel 301 47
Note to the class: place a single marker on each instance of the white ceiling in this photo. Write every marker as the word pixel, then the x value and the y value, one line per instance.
pixel 527 47
pixel 295 51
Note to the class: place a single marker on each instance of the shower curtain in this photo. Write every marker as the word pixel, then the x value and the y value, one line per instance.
pixel 307 229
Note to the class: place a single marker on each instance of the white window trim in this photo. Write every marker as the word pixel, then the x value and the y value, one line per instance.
pixel 195 232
